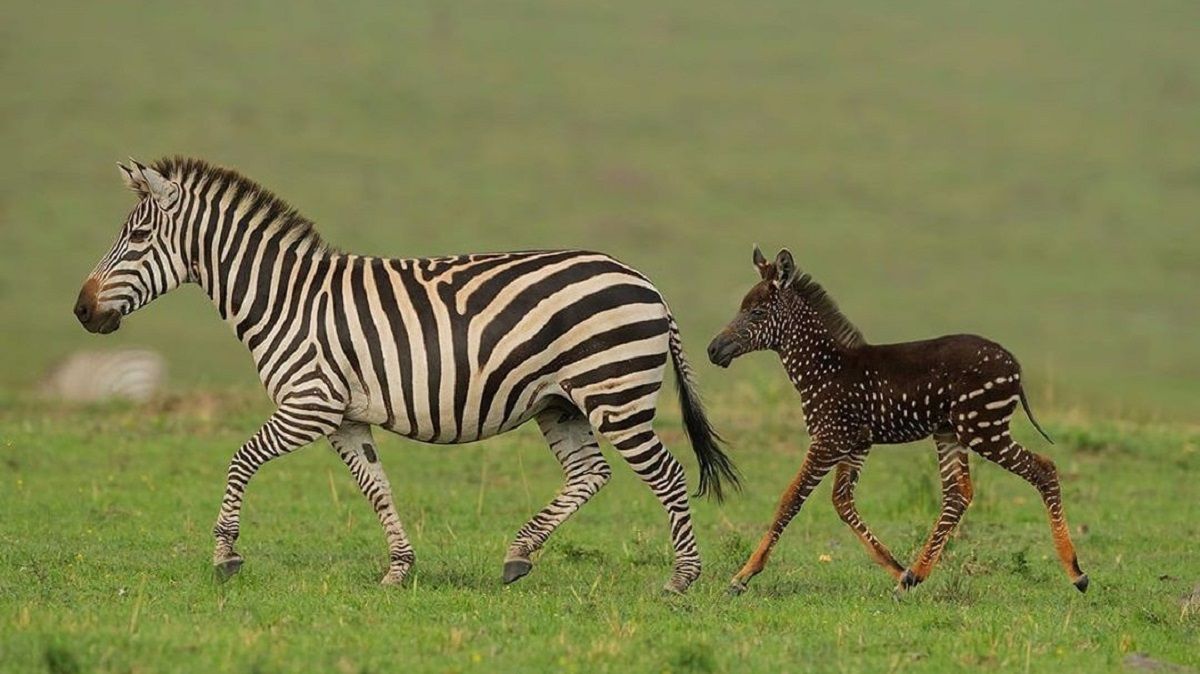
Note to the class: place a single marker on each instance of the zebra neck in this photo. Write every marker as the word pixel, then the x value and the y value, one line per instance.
pixel 247 275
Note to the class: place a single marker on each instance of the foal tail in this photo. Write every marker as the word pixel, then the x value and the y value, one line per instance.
pixel 1029 413
pixel 715 465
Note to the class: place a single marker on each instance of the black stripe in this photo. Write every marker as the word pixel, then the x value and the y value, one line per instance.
pixel 429 329
pixel 358 294
pixel 340 317
pixel 391 311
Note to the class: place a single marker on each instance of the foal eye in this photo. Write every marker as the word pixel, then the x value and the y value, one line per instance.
pixel 139 235
pixel 758 312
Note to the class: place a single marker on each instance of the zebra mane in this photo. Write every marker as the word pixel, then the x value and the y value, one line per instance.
pixel 840 327
pixel 279 213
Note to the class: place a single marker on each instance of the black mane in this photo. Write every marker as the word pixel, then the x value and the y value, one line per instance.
pixel 189 171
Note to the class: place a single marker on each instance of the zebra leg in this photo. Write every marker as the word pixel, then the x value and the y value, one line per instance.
pixel 289 428
pixel 354 445
pixel 571 439
pixel 843 502
pixel 819 461
pixel 1040 472
pixel 635 439
pixel 956 497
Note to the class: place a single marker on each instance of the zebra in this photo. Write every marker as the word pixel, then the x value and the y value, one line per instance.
pixel 442 350
pixel 960 389
pixel 136 375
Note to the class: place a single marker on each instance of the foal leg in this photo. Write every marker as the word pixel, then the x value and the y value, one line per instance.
pixel 353 444
pixel 843 501
pixel 956 497
pixel 291 427
pixel 571 440
pixel 995 444
pixel 819 461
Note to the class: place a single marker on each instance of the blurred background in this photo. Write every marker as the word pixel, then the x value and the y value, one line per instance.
pixel 1024 170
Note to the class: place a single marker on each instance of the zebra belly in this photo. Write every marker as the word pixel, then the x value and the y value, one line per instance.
pixel 447 428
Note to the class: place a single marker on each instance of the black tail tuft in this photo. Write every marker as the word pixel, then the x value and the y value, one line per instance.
pixel 715 465
pixel 1029 413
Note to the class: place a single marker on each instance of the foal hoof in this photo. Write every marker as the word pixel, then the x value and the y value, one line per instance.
pixel 908 580
pixel 227 567
pixel 1081 583
pixel 516 569
pixel 735 588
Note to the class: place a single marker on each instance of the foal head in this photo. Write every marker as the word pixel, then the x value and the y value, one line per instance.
pixel 144 262
pixel 760 322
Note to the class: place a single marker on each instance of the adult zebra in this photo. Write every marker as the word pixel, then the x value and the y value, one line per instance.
pixel 442 350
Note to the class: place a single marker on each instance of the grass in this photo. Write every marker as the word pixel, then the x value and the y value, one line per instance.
pixel 104 557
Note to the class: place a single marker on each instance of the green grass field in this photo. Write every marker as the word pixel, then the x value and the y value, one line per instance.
pixel 1023 170
pixel 104 558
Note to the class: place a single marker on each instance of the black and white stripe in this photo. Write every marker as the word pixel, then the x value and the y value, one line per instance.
pixel 442 350
pixel 137 375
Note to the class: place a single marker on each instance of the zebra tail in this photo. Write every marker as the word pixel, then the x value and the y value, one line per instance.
pixel 715 465
pixel 1029 413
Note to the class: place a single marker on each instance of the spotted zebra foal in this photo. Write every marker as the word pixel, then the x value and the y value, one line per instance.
pixel 442 350
pixel 960 389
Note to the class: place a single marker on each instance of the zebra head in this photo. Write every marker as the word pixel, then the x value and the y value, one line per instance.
pixel 145 261
pixel 758 324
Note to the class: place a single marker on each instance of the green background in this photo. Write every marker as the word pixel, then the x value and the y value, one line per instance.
pixel 1026 171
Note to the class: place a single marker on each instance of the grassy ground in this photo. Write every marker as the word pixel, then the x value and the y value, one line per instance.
pixel 104 557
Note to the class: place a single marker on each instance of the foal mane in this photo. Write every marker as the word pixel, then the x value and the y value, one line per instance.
pixel 191 172
pixel 840 327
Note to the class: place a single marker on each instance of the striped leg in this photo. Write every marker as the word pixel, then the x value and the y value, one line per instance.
pixel 843 501
pixel 571 439
pixel 956 497
pixel 289 428
pixel 356 448
pixel 819 461
pixel 1042 474
pixel 635 439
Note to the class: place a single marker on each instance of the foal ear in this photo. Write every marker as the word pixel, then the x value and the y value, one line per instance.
pixel 785 269
pixel 764 267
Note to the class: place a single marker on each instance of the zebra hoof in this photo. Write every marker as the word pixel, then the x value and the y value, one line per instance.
pixel 736 588
pixel 229 566
pixel 1081 583
pixel 516 569
pixel 393 579
pixel 675 588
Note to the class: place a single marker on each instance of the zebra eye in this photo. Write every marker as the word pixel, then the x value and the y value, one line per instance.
pixel 139 235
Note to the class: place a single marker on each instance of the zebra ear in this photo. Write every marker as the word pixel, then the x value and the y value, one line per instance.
pixel 165 192
pixel 785 269
pixel 133 180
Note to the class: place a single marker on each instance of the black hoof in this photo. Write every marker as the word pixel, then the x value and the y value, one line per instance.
pixel 516 569
pixel 908 580
pixel 1081 583
pixel 227 568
